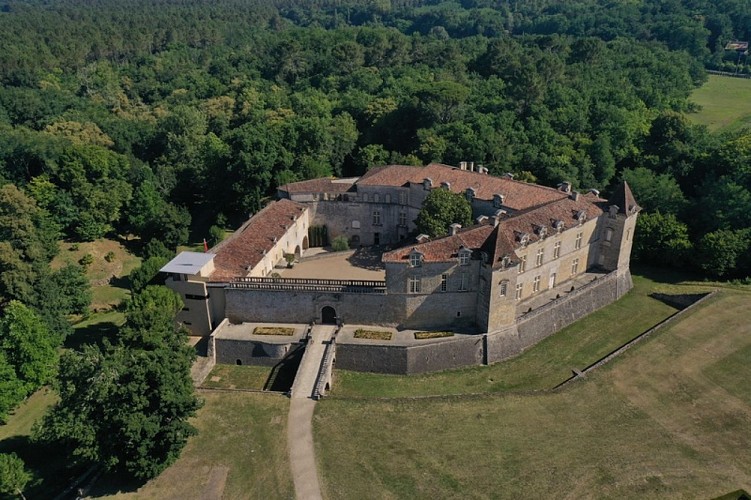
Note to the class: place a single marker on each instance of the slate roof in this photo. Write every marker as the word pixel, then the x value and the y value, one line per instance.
pixel 624 199
pixel 243 250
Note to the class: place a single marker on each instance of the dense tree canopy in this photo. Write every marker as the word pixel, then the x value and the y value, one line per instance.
pixel 137 117
pixel 441 209
pixel 126 405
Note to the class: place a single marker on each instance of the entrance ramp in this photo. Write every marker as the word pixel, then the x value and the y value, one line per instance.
pixel 312 360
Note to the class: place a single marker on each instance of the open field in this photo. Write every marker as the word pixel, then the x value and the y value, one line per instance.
pixel 240 452
pixel 725 101
pixel 670 418
pixel 541 367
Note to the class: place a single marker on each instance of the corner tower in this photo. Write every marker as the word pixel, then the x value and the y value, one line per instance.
pixel 618 226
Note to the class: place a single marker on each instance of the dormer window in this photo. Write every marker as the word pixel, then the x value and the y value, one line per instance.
pixel 427 183
pixel 558 226
pixel 613 211
pixel 505 261
pixel 498 200
pixel 470 193
pixel 523 239
pixel 542 232
pixel 446 186
pixel 581 216
pixel 415 259
pixel 464 255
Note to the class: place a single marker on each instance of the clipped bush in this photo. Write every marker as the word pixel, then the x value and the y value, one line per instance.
pixel 110 256
pixel 340 243
pixel 86 260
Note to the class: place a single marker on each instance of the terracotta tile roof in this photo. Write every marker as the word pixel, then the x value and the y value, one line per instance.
pixel 443 249
pixel 247 246
pixel 504 240
pixel 517 195
pixel 323 185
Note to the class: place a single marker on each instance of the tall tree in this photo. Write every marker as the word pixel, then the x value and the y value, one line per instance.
pixel 127 406
pixel 441 209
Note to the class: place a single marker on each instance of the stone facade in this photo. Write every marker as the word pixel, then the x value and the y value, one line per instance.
pixel 514 276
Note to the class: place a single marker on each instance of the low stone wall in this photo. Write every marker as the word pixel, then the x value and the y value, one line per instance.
pixel 409 360
pixel 250 352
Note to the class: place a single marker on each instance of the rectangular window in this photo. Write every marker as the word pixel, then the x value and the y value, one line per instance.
pixel 608 234
pixel 415 259
pixel 574 266
pixel 504 288
pixel 402 198
pixel 464 259
pixel 540 256
pixel 388 198
pixel 557 250
pixel 376 218
pixel 444 282
pixel 402 219
pixel 536 284
pixel 523 264
pixel 414 285
pixel 578 243
pixel 519 290
pixel 464 282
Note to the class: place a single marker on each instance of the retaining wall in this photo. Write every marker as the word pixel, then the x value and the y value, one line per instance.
pixel 249 352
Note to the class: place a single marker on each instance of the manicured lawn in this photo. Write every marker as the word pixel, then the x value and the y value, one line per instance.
pixel 541 367
pixel 240 452
pixel 238 377
pixel 652 424
pixel 725 101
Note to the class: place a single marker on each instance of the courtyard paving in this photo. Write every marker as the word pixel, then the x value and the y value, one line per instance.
pixel 361 264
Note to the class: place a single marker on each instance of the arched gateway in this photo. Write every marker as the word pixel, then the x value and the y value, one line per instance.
pixel 328 315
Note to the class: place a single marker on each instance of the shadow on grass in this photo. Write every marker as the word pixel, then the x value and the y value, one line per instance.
pixel 664 274
pixel 121 282
pixel 51 470
pixel 92 334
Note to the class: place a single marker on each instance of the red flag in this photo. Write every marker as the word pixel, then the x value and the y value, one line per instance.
pixel 205 246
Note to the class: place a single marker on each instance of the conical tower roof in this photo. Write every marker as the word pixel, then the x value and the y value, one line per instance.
pixel 623 198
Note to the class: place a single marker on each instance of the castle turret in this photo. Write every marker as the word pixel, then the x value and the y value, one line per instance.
pixel 617 232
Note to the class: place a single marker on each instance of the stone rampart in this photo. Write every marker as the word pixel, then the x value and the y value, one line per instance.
pixel 409 360
pixel 250 352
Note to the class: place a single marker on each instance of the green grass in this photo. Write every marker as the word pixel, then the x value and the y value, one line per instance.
pixel 361 333
pixel 651 424
pixel 725 102
pixel 47 464
pixel 541 367
pixel 241 436
pixel 238 377
pixel 108 283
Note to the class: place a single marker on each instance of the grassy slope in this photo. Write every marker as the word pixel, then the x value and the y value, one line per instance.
pixel 725 101
pixel 241 435
pixel 544 366
pixel 105 294
pixel 653 424
pixel 238 377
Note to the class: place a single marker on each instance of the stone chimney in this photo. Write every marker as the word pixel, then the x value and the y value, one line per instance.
pixel 595 192
pixel 565 186
pixel 509 175
pixel 422 238
pixel 454 228
pixel 471 166
pixel 463 165
pixel 575 195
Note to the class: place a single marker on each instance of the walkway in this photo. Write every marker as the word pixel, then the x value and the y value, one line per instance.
pixel 300 420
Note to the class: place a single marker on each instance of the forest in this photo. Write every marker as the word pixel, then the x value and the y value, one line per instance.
pixel 153 120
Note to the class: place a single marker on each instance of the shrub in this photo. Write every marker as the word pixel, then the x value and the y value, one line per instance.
pixel 110 256
pixel 340 244
pixel 86 260
pixel 74 247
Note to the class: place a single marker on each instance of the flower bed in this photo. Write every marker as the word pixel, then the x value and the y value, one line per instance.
pixel 273 330
pixel 372 334
pixel 432 335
